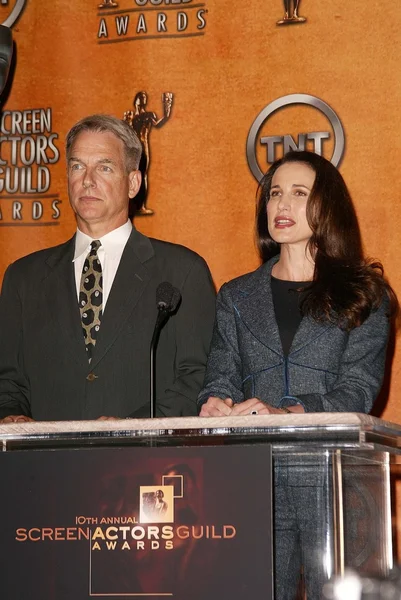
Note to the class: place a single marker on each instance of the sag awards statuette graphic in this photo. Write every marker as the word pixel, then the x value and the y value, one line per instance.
pixel 12 9
pixel 108 4
pixel 142 121
pixel 279 142
pixel 291 15
pixel 156 504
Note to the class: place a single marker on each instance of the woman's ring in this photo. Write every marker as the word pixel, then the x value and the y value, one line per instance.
pixel 253 412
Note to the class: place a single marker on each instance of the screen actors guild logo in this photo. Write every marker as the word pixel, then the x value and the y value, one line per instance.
pixel 286 142
pixel 291 17
pixel 150 19
pixel 17 8
pixel 156 504
pixel 142 121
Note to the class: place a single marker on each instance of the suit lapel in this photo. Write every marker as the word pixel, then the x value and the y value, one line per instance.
pixel 130 281
pixel 61 296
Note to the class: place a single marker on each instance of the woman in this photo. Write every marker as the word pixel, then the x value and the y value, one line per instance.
pixel 306 332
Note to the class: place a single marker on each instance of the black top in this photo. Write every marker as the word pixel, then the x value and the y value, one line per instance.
pixel 286 301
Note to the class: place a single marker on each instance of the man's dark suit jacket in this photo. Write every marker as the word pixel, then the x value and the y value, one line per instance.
pixel 44 371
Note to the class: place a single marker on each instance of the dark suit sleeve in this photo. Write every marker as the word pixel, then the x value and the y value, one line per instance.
pixel 361 373
pixel 14 387
pixel 193 324
pixel 223 375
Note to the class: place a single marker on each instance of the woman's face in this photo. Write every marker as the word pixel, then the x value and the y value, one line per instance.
pixel 286 208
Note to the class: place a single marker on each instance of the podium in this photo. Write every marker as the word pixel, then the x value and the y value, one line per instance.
pixel 193 507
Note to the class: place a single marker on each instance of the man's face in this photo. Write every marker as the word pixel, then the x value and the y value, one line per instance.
pixel 98 184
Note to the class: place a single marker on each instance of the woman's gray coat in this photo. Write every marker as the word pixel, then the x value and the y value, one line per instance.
pixel 327 369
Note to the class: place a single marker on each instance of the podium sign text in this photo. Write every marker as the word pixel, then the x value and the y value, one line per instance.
pixel 179 522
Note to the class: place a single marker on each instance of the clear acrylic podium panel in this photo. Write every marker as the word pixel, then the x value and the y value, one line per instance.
pixel 338 509
pixel 332 475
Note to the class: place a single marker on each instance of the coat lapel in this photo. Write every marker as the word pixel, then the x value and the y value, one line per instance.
pixel 256 308
pixel 130 281
pixel 307 333
pixel 61 296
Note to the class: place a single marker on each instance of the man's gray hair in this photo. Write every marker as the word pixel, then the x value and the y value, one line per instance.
pixel 104 124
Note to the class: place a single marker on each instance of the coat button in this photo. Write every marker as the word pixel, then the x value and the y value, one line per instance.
pixel 91 377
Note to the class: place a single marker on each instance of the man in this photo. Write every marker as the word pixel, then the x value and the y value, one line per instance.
pixel 6 53
pixel 76 320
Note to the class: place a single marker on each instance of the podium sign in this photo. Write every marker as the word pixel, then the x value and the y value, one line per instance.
pixel 179 522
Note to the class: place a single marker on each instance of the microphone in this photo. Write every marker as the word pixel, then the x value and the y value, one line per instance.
pixel 167 297
pixel 167 300
pixel 6 52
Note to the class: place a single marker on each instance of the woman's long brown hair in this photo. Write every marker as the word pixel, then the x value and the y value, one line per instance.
pixel 346 286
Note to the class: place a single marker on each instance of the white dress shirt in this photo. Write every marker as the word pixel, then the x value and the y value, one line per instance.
pixel 109 254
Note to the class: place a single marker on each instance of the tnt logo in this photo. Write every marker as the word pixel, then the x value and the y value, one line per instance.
pixel 10 11
pixel 269 136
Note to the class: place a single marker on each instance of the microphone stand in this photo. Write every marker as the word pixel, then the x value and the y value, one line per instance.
pixel 161 319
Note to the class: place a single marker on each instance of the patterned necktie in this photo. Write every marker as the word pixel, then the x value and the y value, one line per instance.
pixel 91 298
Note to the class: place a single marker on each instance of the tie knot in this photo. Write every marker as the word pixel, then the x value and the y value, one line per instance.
pixel 95 245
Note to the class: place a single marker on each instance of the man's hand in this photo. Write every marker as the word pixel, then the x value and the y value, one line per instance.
pixel 108 419
pixel 216 407
pixel 16 419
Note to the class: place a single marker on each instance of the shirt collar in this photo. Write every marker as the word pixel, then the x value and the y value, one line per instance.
pixel 113 242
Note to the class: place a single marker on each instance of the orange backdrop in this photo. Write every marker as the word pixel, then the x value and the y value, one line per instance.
pixel 224 61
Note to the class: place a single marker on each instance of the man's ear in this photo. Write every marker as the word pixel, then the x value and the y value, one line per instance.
pixel 135 179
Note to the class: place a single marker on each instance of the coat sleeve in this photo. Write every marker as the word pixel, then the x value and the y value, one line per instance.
pixel 224 367
pixel 14 386
pixel 193 324
pixel 361 371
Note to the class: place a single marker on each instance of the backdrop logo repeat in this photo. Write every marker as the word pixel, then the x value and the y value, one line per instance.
pixel 312 140
pixel 142 120
pixel 28 149
pixel 291 13
pixel 14 9
pixel 149 19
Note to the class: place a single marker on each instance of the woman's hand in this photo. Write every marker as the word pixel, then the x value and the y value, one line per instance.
pixel 254 406
pixel 216 407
